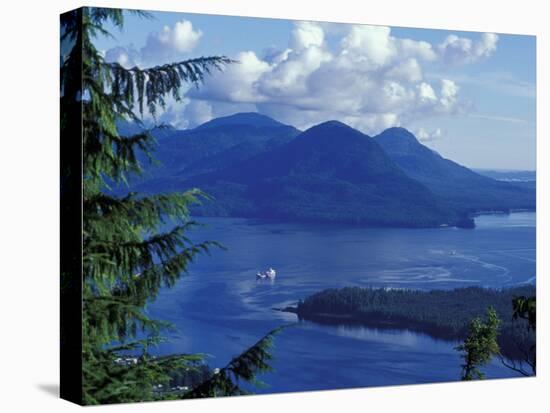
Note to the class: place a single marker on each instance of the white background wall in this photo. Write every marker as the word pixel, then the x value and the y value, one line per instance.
pixel 29 251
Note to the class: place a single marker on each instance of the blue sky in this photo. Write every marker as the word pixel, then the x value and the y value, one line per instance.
pixel 470 96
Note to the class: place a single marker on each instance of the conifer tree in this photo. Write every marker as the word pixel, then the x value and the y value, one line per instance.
pixel 126 256
pixel 525 309
pixel 480 346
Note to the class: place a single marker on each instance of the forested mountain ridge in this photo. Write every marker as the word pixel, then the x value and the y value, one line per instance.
pixel 255 166
pixel 329 173
pixel 461 187
pixel 187 152
pixel 243 118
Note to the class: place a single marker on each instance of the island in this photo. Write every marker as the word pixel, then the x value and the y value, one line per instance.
pixel 444 314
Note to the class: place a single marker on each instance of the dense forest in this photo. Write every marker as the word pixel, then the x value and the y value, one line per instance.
pixel 441 313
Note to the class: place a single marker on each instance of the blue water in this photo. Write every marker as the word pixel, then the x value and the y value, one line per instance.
pixel 221 309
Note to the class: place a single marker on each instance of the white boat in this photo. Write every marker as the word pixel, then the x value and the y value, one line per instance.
pixel 270 273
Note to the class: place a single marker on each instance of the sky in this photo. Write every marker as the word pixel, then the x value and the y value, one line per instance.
pixel 469 96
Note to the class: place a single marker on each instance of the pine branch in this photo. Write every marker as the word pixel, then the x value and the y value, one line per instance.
pixel 108 319
pixel 512 366
pixel 153 84
pixel 145 211
pixel 246 366
pixel 115 379
pixel 126 257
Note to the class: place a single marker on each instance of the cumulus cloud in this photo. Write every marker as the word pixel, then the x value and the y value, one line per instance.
pixel 427 136
pixel 183 114
pixel 363 75
pixel 408 70
pixel 306 34
pixel 462 50
pixel 198 112
pixel 370 45
pixel 290 76
pixel 238 83
pixel 189 113
pixel 420 49
pixel 125 56
pixel 426 94
pixel 171 43
pixel 449 93
pixel 370 79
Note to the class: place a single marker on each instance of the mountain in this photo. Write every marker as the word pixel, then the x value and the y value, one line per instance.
pixel 329 173
pixel 464 189
pixel 213 145
pixel 243 118
pixel 255 166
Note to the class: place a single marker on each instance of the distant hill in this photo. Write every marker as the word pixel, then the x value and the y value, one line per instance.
pixel 329 173
pixel 525 179
pixel 508 175
pixel 245 118
pixel 213 145
pixel 255 166
pixel 464 189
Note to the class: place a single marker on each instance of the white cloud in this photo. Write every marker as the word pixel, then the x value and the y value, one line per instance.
pixel 306 34
pixel 174 115
pixel 189 113
pixel 198 112
pixel 182 37
pixel 419 49
pixel 408 70
pixel 426 136
pixel 370 80
pixel 488 44
pixel 125 56
pixel 237 83
pixel 170 42
pixel 426 93
pixel 289 76
pixel 462 50
pixel 449 93
pixel 370 45
pixel 367 78
pixel 185 114
pixel 373 123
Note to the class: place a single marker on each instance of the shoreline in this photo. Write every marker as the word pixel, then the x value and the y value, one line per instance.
pixel 336 224
pixel 441 314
